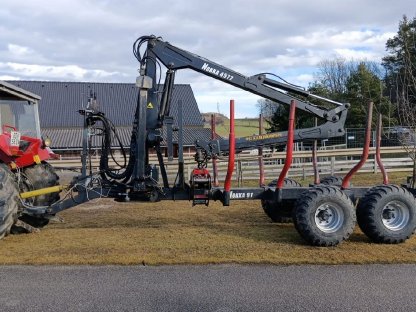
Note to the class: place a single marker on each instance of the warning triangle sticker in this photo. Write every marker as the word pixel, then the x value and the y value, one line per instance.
pixel 150 105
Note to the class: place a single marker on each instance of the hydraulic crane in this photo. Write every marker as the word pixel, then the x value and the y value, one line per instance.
pixel 153 106
pixel 324 215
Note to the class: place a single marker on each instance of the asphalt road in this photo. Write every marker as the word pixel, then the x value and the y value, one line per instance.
pixel 219 288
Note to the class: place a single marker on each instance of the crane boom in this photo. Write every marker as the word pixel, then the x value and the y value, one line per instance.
pixel 174 58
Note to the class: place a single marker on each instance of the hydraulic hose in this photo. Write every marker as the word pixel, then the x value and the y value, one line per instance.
pixel 105 171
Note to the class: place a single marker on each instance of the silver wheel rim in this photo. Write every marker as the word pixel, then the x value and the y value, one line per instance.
pixel 395 215
pixel 329 217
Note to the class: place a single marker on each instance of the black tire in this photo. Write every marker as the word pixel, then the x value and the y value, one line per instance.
pixel 36 222
pixel 324 216
pixel 280 212
pixel 9 200
pixel 41 176
pixel 387 214
pixel 37 177
pixel 332 180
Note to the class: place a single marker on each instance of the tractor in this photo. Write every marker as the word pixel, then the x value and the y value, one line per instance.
pixel 23 160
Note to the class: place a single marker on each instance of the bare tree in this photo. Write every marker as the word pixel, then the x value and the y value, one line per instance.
pixel 406 108
pixel 267 108
pixel 333 74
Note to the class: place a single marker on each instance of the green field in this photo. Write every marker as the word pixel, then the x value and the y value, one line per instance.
pixel 243 127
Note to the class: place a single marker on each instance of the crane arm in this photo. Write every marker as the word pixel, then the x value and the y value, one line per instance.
pixel 332 114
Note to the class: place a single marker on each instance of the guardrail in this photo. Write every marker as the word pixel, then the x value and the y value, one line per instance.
pixel 330 162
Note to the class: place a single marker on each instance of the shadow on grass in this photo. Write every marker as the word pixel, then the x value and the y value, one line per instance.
pixel 359 238
pixel 268 233
pixel 252 223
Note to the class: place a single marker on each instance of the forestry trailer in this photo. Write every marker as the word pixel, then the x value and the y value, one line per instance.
pixel 324 213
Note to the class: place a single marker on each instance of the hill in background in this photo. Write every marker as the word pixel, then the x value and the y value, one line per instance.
pixel 243 127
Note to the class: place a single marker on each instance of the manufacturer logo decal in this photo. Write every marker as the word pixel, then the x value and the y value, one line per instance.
pixel 243 195
pixel 206 67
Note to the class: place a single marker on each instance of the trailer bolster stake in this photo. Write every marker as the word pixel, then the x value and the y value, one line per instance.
pixel 366 148
pixel 378 148
pixel 231 158
pixel 289 151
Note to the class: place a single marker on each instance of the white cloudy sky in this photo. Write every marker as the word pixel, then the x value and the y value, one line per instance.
pixel 91 40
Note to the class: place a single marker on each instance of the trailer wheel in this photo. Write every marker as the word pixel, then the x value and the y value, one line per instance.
pixel 9 200
pixel 387 214
pixel 332 180
pixel 154 196
pixel 280 212
pixel 324 216
pixel 37 177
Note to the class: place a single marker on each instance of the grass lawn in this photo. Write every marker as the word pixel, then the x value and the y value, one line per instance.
pixel 242 127
pixel 107 232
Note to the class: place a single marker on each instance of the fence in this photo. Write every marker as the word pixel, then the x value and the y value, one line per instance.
pixel 330 162
pixel 391 136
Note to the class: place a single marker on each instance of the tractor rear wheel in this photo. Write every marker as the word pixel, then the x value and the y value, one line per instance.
pixel 324 216
pixel 9 200
pixel 387 214
pixel 36 177
pixel 280 212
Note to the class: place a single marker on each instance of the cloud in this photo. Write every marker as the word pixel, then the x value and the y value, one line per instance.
pixel 92 40
pixel 18 50
pixel 341 38
pixel 354 54
pixel 8 77
pixel 65 73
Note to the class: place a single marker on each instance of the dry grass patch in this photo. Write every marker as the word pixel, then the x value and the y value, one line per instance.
pixel 365 179
pixel 109 232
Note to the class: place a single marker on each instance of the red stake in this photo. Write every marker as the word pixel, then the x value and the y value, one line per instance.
pixel 316 179
pixel 261 160
pixel 364 156
pixel 231 154
pixel 378 145
pixel 214 159
pixel 289 145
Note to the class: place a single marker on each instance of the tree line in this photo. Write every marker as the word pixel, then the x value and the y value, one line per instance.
pixel 390 85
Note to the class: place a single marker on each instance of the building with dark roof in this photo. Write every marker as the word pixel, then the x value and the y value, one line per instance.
pixel 61 101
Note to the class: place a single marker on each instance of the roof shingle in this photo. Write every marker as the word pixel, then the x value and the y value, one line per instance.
pixel 61 101
pixel 60 121
pixel 72 138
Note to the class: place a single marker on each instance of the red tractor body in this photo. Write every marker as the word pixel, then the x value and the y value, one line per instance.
pixel 21 144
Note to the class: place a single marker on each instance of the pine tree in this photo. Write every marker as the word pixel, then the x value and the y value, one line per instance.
pixel 364 86
pixel 400 65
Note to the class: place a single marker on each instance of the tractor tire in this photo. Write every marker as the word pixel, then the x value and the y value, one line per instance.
pixel 387 214
pixel 280 212
pixel 9 200
pixel 332 180
pixel 37 177
pixel 324 216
